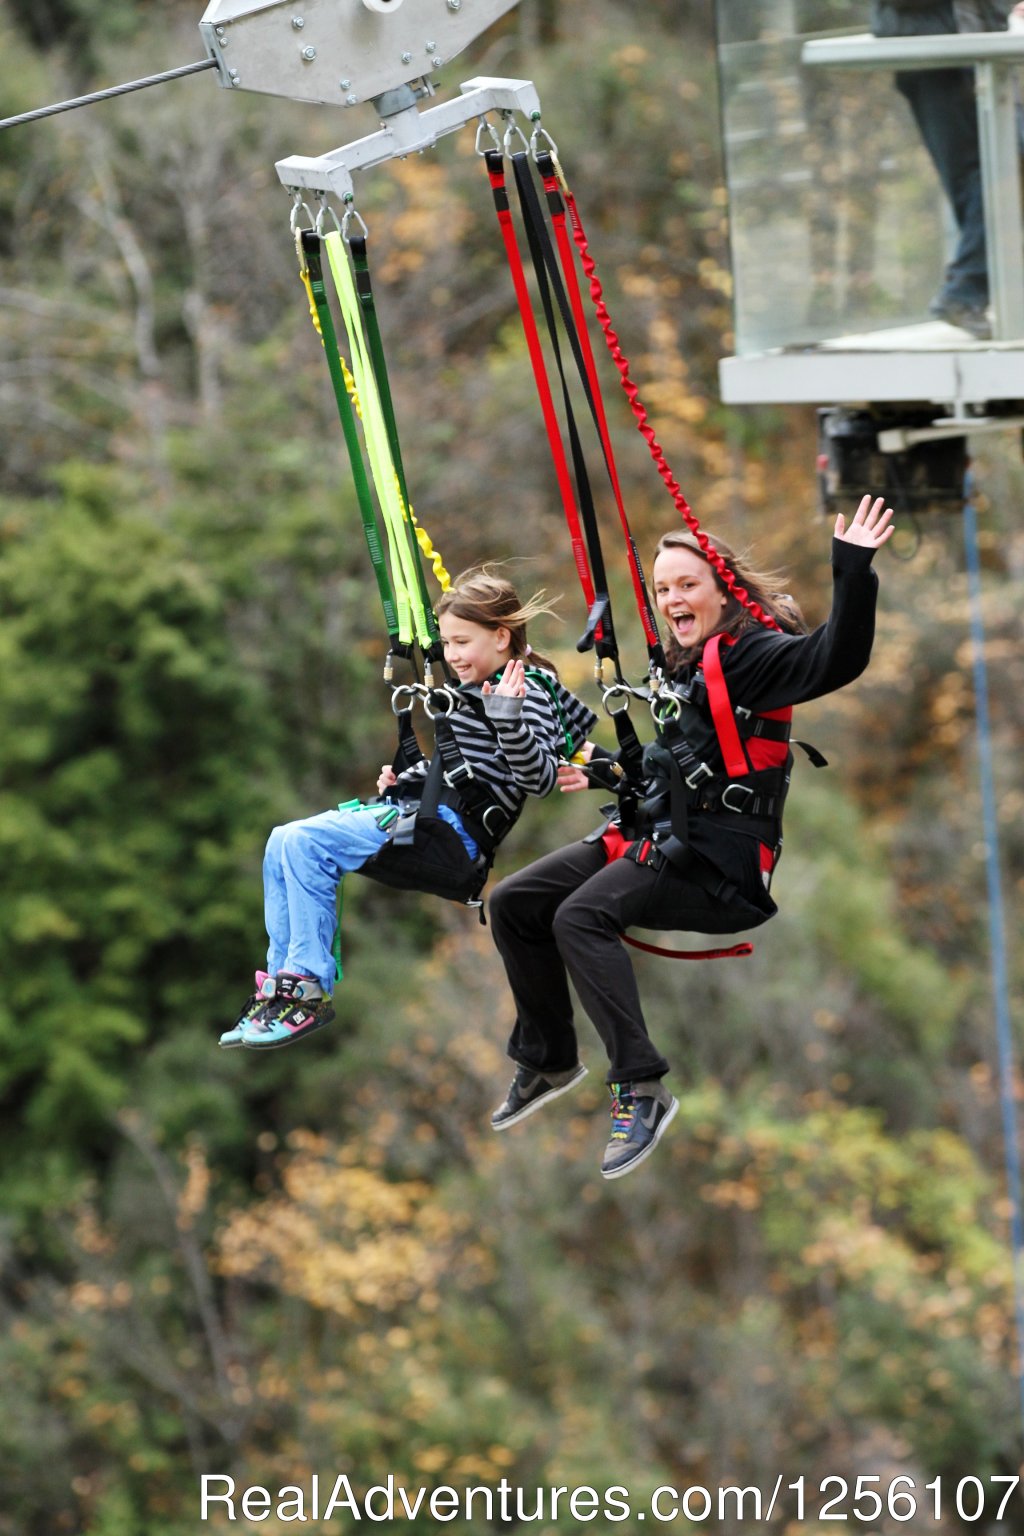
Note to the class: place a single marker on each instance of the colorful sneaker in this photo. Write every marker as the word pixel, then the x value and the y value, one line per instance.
pixel 529 1090
pixel 299 1007
pixel 266 986
pixel 640 1115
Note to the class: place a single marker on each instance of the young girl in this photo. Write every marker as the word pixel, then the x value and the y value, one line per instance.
pixel 699 852
pixel 503 743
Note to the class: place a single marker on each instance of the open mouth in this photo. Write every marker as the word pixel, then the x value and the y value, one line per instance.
pixel 683 624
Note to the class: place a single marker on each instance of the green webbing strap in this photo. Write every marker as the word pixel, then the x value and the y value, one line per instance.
pixel 339 974
pixel 364 290
pixel 548 683
pixel 405 567
pixel 311 253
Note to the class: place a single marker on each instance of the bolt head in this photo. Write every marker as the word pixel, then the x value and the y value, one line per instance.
pixel 351 99
pixel 406 58
pixel 309 53
pixel 298 23
pixel 455 5
pixel 429 47
pixel 437 61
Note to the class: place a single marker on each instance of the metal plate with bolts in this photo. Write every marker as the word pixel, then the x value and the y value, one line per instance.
pixel 339 52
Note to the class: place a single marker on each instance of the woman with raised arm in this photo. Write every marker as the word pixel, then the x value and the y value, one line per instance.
pixel 698 850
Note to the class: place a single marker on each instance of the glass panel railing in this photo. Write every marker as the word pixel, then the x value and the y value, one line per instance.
pixel 838 221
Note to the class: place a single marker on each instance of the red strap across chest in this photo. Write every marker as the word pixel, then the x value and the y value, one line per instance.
pixel 762 754
pixel 735 759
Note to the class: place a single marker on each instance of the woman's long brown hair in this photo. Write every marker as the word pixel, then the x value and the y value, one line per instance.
pixel 765 587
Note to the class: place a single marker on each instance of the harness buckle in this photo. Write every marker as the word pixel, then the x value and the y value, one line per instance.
pixel 455 776
pixel 697 777
pixel 742 712
pixel 740 789
pixel 493 810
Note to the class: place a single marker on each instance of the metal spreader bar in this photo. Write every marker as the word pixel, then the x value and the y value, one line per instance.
pixel 407 133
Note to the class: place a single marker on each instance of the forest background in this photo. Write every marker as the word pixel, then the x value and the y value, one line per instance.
pixel 324 1262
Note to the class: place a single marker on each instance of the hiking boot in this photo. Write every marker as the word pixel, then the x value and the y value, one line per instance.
pixel 529 1090
pixel 300 1006
pixel 266 986
pixel 640 1115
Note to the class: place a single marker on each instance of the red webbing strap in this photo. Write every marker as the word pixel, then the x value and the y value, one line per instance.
pixel 557 210
pixel 736 951
pixel 736 764
pixel 621 362
pixel 496 173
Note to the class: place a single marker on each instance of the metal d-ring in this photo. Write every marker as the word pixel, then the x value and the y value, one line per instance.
pixel 412 689
pixel 617 690
pixel 434 693
pixel 665 706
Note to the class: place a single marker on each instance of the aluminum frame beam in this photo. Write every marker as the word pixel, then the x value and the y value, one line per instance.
pixel 406 133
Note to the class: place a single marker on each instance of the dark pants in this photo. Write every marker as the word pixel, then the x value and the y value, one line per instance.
pixel 942 101
pixel 562 918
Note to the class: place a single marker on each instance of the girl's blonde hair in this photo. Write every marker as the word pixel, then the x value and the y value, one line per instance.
pixel 765 587
pixel 483 596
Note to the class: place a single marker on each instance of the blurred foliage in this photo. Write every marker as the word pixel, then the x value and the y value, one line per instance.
pixel 323 1262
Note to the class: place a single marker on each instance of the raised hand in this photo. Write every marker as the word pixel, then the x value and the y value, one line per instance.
pixel 386 778
pixel 871 525
pixel 513 682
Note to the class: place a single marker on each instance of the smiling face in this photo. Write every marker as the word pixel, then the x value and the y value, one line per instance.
pixel 688 596
pixel 473 652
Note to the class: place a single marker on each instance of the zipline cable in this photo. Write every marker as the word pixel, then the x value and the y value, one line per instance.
pixel 996 919
pixel 108 92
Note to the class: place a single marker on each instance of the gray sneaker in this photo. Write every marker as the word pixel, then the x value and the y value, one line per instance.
pixel 529 1090
pixel 640 1116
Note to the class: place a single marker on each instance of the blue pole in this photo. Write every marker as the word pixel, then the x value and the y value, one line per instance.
pixel 997 922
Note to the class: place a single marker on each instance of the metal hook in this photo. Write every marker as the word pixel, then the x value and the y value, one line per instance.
pixel 512 127
pixel 325 208
pixel 347 217
pixel 299 206
pixel 536 136
pixel 486 126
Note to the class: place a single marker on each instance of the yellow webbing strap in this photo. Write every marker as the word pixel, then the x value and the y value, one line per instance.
pixel 350 383
pixel 397 520
pixel 430 553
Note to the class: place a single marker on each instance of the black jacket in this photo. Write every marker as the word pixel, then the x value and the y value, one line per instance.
pixel 768 670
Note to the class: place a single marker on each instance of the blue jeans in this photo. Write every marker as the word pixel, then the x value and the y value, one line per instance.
pixel 302 866
pixel 942 101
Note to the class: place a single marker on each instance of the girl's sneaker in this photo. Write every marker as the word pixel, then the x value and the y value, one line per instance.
pixel 266 986
pixel 299 1007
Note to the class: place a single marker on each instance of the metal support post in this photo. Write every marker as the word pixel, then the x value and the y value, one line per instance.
pixel 1000 179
